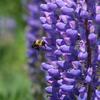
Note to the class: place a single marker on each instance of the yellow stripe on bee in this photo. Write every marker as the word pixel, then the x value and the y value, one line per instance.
pixel 39 42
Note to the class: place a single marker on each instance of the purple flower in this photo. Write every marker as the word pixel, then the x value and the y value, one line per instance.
pixel 33 29
pixel 72 50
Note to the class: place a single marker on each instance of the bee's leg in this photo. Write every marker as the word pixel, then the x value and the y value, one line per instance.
pixel 45 47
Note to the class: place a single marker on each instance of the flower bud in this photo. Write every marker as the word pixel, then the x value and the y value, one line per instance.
pixel 92 37
pixel 97 18
pixel 53 72
pixel 61 25
pixel 60 3
pixel 44 7
pixel 67 11
pixel 46 66
pixel 67 88
pixel 49 89
pixel 52 6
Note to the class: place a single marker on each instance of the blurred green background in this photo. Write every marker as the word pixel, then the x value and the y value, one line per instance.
pixel 14 79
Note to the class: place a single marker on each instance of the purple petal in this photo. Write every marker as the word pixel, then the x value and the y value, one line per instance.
pixel 65 48
pixel 67 88
pixel 69 80
pixel 60 3
pixel 75 72
pixel 97 93
pixel 88 78
pixel 84 14
pixel 82 55
pixel 97 18
pixel 59 41
pixel 52 6
pixel 82 89
pixel 60 63
pixel 67 10
pixel 43 19
pixel 46 66
pixel 47 26
pixel 58 52
pixel 44 7
pixel 60 25
pixel 53 72
pixel 98 57
pixel 49 89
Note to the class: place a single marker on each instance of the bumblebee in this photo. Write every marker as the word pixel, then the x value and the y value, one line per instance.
pixel 37 44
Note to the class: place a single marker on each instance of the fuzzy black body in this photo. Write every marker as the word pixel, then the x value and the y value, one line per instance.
pixel 38 44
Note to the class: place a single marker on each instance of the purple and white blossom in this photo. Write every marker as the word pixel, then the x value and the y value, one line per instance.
pixel 72 48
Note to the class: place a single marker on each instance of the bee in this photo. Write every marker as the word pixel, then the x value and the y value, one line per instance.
pixel 37 44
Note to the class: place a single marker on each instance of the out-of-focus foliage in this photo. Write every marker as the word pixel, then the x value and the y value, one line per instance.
pixel 13 8
pixel 14 79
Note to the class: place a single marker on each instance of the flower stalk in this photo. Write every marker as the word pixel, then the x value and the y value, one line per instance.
pixel 89 87
pixel 72 49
